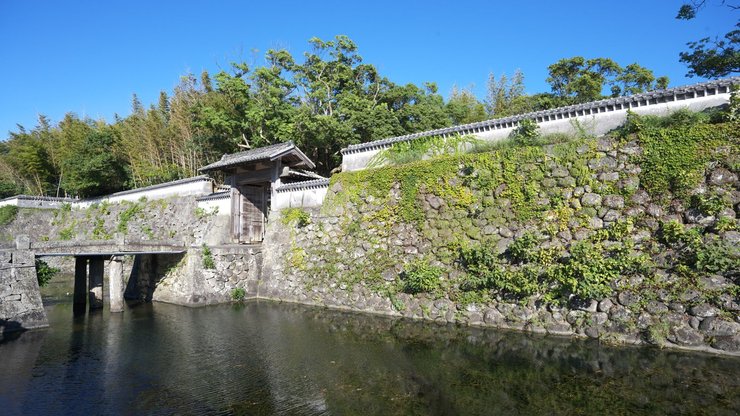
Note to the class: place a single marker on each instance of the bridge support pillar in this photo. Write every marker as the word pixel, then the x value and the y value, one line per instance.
pixel 115 283
pixel 80 298
pixel 95 287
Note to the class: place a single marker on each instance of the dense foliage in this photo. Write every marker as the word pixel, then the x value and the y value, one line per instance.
pixel 44 272
pixel 707 57
pixel 329 100
pixel 8 214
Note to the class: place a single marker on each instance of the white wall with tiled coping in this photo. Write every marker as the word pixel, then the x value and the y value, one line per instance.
pixel 309 194
pixel 195 186
pixel 218 203
pixel 597 118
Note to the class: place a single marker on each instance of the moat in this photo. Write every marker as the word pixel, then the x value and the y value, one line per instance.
pixel 265 358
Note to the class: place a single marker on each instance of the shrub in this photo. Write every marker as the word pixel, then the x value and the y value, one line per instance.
pixel 725 224
pixel 482 266
pixel 44 273
pixel 709 204
pixel 527 133
pixel 8 214
pixel 591 268
pixel 207 255
pixel 524 249
pixel 485 271
pixel 717 256
pixel 297 216
pixel 421 277
pixel 238 294
pixel 672 232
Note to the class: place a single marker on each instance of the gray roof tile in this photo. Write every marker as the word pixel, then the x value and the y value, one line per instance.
pixel 262 153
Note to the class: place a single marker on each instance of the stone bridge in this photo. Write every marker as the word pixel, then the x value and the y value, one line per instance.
pixel 20 298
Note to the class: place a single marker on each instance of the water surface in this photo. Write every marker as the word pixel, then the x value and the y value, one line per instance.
pixel 265 358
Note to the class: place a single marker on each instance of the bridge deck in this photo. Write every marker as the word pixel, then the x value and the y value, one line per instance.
pixel 107 253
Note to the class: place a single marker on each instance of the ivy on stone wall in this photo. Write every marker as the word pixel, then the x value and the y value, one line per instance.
pixel 549 223
pixel 674 160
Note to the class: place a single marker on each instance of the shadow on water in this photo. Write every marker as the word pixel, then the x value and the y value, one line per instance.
pixel 268 358
pixel 11 330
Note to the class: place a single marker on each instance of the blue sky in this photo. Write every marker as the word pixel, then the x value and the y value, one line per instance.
pixel 89 57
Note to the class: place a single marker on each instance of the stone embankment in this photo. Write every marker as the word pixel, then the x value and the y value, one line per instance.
pixel 626 239
pixel 173 278
pixel 20 300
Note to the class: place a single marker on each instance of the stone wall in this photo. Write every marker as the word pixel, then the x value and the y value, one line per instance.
pixel 20 299
pixel 189 279
pixel 163 277
pixel 617 238
pixel 170 219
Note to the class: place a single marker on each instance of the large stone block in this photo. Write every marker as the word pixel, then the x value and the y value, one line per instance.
pixel 23 258
pixel 20 305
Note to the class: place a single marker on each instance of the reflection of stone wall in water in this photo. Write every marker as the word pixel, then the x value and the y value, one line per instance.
pixel 433 368
pixel 541 216
pixel 17 369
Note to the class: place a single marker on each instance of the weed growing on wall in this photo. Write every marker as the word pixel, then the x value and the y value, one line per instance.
pixel 66 233
pixel 238 294
pixel 133 210
pixel 44 272
pixel 674 158
pixel 425 147
pixel 515 223
pixel 207 255
pixel 296 216
pixel 99 231
pixel 8 214
pixel 200 213
pixel 421 277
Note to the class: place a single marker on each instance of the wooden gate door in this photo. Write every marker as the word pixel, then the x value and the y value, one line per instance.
pixel 252 214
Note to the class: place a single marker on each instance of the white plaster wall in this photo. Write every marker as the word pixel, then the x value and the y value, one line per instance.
pixel 186 189
pixel 357 161
pixel 31 203
pixel 300 198
pixel 9 201
pixel 221 206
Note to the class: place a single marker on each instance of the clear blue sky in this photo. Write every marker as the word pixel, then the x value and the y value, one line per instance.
pixel 89 57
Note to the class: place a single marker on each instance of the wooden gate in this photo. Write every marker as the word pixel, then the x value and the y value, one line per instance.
pixel 252 214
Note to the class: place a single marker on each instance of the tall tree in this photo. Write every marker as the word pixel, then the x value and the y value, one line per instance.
pixel 95 168
pixel 711 58
pixel 581 80
pixel 504 97
pixel 634 79
pixel 578 80
pixel 463 107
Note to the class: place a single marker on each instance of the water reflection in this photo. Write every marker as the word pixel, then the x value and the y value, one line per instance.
pixel 268 358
